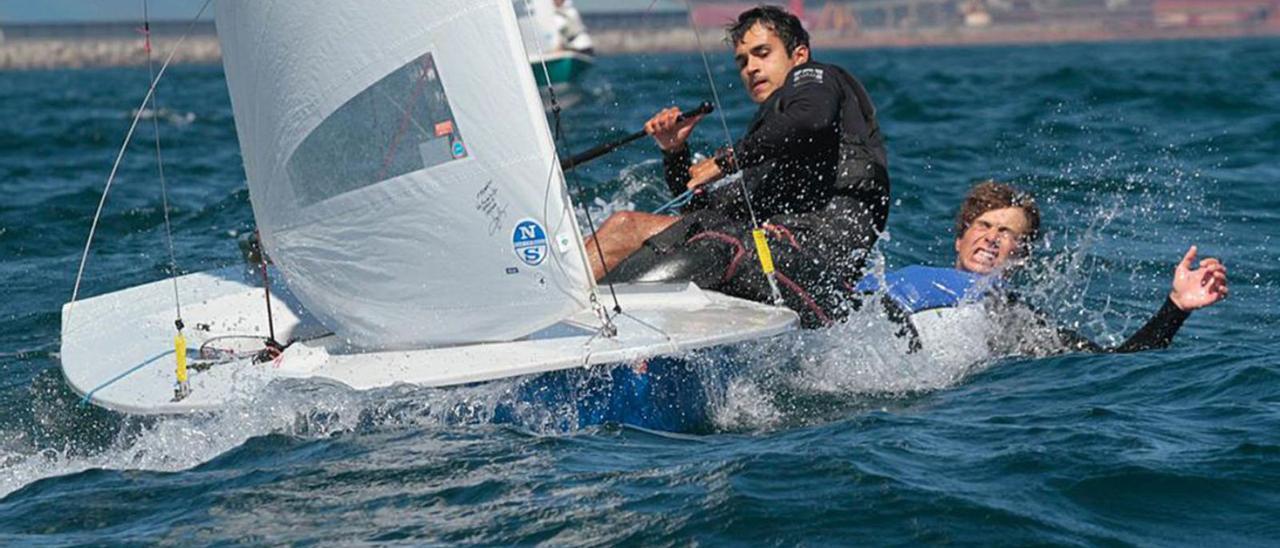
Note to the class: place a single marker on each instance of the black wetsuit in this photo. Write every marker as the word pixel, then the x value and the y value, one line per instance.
pixel 814 164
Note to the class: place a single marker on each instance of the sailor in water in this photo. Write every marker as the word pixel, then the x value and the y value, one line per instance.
pixel 994 228
pixel 813 165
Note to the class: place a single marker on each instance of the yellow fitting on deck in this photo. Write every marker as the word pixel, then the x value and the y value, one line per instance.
pixel 762 249
pixel 180 352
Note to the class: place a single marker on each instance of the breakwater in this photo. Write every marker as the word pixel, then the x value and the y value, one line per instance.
pixel 82 53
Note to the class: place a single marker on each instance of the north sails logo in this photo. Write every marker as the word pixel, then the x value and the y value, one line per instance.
pixel 530 242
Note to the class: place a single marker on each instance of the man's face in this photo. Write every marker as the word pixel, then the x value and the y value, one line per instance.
pixel 991 240
pixel 763 62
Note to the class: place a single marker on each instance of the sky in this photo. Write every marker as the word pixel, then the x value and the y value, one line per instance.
pixel 42 11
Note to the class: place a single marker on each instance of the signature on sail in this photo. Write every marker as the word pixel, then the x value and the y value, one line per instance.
pixel 487 203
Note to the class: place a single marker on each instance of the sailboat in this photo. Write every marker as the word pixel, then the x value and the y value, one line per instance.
pixel 408 193
pixel 560 49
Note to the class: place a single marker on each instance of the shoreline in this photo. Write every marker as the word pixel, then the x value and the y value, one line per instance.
pixel 61 53
pixel 43 54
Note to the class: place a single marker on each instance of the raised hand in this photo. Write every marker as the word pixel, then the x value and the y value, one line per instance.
pixel 670 133
pixel 1198 287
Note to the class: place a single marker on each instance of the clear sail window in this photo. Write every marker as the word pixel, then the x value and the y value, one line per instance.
pixel 400 124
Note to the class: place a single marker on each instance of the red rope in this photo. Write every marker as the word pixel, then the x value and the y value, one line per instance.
pixel 737 256
pixel 404 122
pixel 804 295
pixel 146 36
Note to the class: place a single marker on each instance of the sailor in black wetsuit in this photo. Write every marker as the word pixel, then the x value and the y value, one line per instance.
pixel 993 228
pixel 813 164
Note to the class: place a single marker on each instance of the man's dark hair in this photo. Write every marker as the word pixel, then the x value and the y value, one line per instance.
pixel 990 195
pixel 774 18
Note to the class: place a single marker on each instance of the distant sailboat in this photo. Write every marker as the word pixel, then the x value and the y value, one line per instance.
pixel 407 189
pixel 558 43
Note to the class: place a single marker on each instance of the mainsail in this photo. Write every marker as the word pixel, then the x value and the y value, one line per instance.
pixel 401 170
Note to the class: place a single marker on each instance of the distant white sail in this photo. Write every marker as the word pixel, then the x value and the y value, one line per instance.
pixel 538 26
pixel 400 167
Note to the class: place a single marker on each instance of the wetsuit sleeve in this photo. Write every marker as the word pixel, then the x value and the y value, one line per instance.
pixel 1157 333
pixel 1075 342
pixel 675 169
pixel 808 108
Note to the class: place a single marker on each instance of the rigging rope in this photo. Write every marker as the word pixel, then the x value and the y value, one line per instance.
pixel 256 248
pixel 84 257
pixel 164 188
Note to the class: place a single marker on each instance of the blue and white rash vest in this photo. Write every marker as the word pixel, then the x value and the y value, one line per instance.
pixel 930 303
pixel 919 288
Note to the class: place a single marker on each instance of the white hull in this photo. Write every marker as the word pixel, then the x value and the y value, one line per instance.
pixel 562 55
pixel 117 349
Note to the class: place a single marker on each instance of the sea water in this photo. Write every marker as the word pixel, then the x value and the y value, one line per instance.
pixel 1135 151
